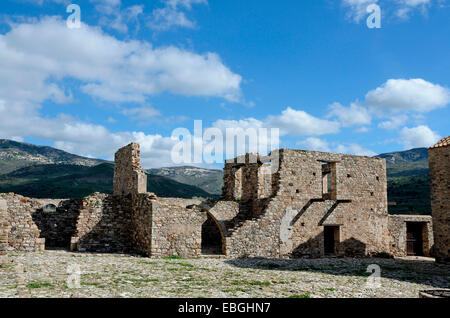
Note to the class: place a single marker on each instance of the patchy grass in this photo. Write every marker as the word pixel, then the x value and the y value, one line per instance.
pixel 172 257
pixel 38 285
pixel 305 295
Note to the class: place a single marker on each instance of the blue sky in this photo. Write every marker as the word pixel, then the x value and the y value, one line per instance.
pixel 136 70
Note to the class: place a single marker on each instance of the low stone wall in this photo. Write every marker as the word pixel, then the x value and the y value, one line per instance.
pixel 142 222
pixel 177 227
pixel 398 233
pixel 24 235
pixel 104 225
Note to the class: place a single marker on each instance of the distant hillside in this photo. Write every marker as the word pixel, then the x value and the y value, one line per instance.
pixel 37 171
pixel 72 181
pixel 209 180
pixel 15 155
pixel 408 181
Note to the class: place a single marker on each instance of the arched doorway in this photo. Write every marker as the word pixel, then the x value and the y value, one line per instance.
pixel 211 237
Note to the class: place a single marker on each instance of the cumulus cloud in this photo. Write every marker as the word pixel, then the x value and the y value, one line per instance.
pixel 355 115
pixel 408 95
pixel 300 123
pixel 316 144
pixel 173 14
pixel 33 56
pixel 420 136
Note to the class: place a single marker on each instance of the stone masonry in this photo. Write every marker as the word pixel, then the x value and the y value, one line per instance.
pixel 292 203
pixel 439 162
pixel 3 232
pixel 128 175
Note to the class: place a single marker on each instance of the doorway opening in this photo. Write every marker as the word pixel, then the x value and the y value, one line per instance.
pixel 331 239
pixel 414 238
pixel 211 237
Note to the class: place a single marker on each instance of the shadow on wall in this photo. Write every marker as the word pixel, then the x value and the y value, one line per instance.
pixel 104 225
pixel 57 223
pixel 412 271
pixel 322 244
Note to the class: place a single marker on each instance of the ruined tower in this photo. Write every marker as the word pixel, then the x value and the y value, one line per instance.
pixel 128 175
pixel 439 162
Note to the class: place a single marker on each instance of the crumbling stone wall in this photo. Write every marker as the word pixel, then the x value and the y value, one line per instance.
pixel 128 175
pixel 23 232
pixel 176 227
pixel 4 229
pixel 104 224
pixel 398 233
pixel 439 162
pixel 292 220
pixel 56 220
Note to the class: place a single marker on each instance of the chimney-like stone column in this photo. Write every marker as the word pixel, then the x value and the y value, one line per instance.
pixel 128 175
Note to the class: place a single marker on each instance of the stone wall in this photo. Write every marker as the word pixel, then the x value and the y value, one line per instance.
pixel 4 229
pixel 24 235
pixel 398 233
pixel 439 161
pixel 176 227
pixel 104 224
pixel 56 220
pixel 128 175
pixel 291 221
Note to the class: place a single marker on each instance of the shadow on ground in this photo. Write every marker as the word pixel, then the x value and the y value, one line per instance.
pixel 412 271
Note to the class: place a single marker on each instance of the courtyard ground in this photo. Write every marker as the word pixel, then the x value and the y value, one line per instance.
pixel 54 274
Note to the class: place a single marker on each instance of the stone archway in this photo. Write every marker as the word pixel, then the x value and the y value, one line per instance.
pixel 212 237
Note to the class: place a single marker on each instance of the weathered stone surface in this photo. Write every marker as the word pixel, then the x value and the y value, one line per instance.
pixel 128 175
pixel 398 232
pixel 439 162
pixel 3 232
pixel 292 203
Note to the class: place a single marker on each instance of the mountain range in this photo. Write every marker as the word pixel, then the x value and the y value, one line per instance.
pixel 46 172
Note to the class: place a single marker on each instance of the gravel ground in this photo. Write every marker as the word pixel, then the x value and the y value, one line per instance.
pixel 54 274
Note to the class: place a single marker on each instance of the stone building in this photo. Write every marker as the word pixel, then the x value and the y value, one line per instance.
pixel 439 162
pixel 292 203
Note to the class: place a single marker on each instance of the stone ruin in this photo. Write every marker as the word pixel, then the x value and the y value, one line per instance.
pixel 439 161
pixel 292 203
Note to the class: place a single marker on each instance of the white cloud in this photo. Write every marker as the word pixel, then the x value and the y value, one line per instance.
pixel 408 95
pixel 354 115
pixel 173 14
pixel 420 136
pixel 114 17
pixel 299 123
pixel 34 57
pixel 400 8
pixel 394 122
pixel 357 8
